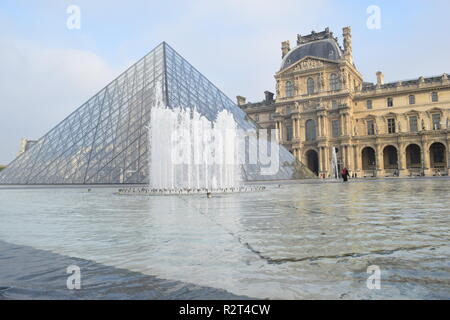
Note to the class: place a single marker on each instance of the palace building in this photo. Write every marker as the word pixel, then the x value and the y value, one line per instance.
pixel 378 130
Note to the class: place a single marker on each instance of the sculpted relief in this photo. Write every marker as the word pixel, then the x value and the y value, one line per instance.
pixel 309 64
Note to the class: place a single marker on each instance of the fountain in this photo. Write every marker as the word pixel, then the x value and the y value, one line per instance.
pixel 190 154
pixel 334 165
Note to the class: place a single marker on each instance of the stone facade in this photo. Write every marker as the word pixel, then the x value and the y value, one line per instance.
pixel 383 129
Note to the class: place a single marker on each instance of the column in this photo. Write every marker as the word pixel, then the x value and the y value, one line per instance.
pixel 358 159
pixel 319 126
pixel 301 130
pixel 325 126
pixel 426 160
pixel 321 157
pixel 348 129
pixel 346 161
pixel 326 160
pixel 401 154
pixel 280 129
pixel 380 161
pixel 294 128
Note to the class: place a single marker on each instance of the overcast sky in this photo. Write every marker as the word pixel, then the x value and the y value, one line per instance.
pixel 48 70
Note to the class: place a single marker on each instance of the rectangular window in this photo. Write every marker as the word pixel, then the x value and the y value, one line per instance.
pixel 391 125
pixel 390 102
pixel 369 104
pixel 335 128
pixel 256 117
pixel 436 121
pixel 370 128
pixel 289 133
pixel 413 124
pixel 434 97
pixel 412 99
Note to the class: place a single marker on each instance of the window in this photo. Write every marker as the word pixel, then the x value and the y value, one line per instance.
pixel 310 85
pixel 334 82
pixel 436 117
pixel 412 99
pixel 271 116
pixel 310 128
pixel 413 124
pixel 391 125
pixel 289 133
pixel 289 89
pixel 370 127
pixel 390 102
pixel 434 97
pixel 256 117
pixel 369 104
pixel 335 128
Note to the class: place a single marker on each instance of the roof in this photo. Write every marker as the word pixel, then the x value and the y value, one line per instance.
pixel 325 49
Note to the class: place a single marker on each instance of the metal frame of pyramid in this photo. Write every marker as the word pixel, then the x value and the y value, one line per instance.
pixel 105 141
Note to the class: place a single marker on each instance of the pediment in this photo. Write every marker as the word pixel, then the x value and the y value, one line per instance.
pixel 434 110
pixel 390 115
pixel 309 63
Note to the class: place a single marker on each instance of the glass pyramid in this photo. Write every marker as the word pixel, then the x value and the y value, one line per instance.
pixel 105 140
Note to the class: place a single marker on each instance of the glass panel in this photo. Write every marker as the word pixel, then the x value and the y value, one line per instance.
pixel 370 128
pixel 413 124
pixel 310 128
pixel 391 125
pixel 436 121
pixel 335 128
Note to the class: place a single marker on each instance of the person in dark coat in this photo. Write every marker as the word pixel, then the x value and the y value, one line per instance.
pixel 345 174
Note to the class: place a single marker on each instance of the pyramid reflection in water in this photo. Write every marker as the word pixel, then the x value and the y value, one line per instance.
pixel 105 141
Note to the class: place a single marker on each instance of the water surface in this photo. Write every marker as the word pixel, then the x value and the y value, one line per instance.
pixel 296 241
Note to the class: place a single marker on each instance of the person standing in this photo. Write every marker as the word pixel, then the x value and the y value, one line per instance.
pixel 345 174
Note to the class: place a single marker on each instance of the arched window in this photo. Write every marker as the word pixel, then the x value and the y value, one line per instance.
pixel 289 89
pixel 334 82
pixel 310 85
pixel 310 127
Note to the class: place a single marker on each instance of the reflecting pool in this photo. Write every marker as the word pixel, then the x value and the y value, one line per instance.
pixel 292 241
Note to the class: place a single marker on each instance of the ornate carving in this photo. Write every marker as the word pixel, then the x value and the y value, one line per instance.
pixel 322 80
pixel 309 64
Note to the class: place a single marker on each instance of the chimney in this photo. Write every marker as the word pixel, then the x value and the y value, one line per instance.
pixel 380 78
pixel 269 97
pixel 348 51
pixel 241 100
pixel 285 48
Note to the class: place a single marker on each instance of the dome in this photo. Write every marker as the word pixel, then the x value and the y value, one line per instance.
pixel 325 49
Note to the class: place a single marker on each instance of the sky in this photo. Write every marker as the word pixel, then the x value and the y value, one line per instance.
pixel 47 69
